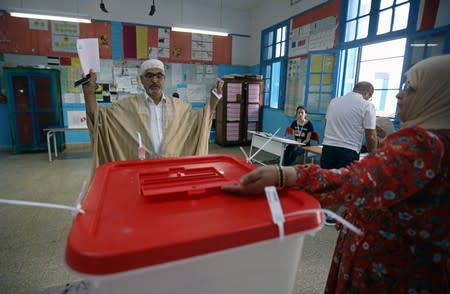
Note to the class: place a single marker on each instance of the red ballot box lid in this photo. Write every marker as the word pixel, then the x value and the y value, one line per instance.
pixel 148 212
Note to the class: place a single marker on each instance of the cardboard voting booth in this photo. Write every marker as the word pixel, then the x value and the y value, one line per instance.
pixel 165 226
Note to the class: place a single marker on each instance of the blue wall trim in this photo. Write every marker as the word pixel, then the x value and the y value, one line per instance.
pixel 5 134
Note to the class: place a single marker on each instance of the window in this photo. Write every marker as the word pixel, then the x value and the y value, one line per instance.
pixel 273 64
pixel 358 17
pixel 321 81
pixel 381 64
pixel 427 45
pixel 374 46
pixel 392 16
pixel 366 18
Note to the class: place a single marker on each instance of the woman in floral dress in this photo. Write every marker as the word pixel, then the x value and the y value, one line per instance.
pixel 399 196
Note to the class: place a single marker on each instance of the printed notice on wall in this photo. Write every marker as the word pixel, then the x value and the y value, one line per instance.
pixel 64 36
pixel 318 35
pixel 233 90
pixel 76 119
pixel 163 43
pixel 202 47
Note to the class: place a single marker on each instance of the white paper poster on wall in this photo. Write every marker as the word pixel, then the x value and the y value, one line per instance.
pixel 76 119
pixel 318 35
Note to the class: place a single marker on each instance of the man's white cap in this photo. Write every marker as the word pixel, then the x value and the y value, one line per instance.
pixel 151 63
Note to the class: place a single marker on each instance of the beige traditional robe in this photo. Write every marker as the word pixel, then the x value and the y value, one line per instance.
pixel 114 130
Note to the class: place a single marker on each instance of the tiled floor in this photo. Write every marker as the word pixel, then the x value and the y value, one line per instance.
pixel 32 240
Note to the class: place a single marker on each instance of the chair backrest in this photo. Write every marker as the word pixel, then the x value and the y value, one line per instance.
pixel 288 131
pixel 316 137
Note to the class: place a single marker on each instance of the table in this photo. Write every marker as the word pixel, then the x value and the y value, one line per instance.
pixel 275 146
pixel 316 149
pixel 51 134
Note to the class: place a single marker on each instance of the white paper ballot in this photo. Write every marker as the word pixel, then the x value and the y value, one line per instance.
pixel 89 55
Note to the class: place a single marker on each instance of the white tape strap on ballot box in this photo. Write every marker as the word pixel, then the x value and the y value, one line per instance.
pixel 276 210
pixel 74 209
pixel 279 218
pixel 249 159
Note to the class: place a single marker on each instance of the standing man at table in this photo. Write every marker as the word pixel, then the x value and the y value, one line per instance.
pixel 348 118
pixel 168 126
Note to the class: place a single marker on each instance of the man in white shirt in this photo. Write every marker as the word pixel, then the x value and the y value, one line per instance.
pixel 348 118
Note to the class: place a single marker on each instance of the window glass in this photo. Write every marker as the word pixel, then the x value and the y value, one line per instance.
pixel 435 46
pixel 264 40
pixel 363 27
pixel 269 38
pixel 266 98
pixel 278 50
pixel 347 73
pixel 386 3
pixel 383 50
pixel 269 52
pixel 350 31
pixel 384 21
pixel 400 1
pixel 352 11
pixel 327 82
pixel 425 47
pixel 279 31
pixel 283 34
pixel 267 84
pixel 385 102
pixel 365 7
pixel 417 50
pixel 401 17
pixel 382 64
pixel 268 72
pixel 388 70
pixel 328 63
pixel 314 82
pixel 283 49
pixel 264 50
pixel 321 82
pixel 325 99
pixel 316 63
pixel 275 89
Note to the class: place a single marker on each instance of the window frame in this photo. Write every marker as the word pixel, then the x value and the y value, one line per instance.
pixel 334 79
pixel 267 64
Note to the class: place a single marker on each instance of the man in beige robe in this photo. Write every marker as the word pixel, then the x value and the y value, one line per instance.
pixel 168 126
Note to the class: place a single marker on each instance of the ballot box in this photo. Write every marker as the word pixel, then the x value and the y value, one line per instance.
pixel 165 226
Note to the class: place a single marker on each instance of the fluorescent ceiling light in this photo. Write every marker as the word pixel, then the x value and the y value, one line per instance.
pixel 50 16
pixel 423 45
pixel 199 31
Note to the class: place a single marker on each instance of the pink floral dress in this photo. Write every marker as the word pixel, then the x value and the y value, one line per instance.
pixel 400 197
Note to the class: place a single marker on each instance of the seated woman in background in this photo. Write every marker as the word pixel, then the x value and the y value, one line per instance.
pixel 303 130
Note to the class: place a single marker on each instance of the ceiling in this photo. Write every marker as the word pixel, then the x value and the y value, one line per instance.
pixel 235 4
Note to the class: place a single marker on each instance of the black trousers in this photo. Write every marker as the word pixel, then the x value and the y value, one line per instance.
pixel 291 153
pixel 337 157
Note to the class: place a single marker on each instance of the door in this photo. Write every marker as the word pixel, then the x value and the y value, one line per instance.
pixel 35 105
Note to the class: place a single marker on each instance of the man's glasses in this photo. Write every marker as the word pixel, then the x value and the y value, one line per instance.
pixel 150 75
pixel 406 87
